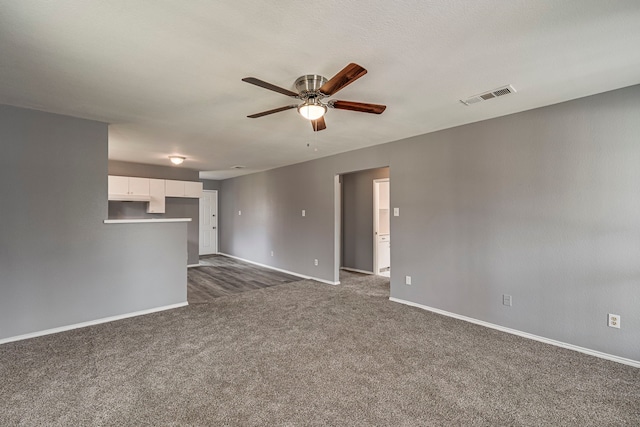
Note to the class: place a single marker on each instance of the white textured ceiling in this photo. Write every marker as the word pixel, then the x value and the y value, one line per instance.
pixel 167 74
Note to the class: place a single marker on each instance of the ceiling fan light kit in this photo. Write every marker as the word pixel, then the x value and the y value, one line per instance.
pixel 312 89
pixel 312 111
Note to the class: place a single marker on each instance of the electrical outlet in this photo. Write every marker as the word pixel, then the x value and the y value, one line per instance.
pixel 315 262
pixel 304 213
pixel 614 321
pixel 271 253
pixel 239 212
pixel 506 300
pixel 407 280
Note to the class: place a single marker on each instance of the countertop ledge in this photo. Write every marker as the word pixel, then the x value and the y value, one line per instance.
pixel 140 220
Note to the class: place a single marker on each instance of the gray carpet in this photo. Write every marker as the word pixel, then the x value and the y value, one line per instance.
pixel 307 354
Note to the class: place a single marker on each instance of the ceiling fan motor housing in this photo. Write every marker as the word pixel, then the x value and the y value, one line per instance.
pixel 309 85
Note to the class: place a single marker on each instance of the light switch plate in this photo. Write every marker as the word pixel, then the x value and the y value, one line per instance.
pixel 304 213
pixel 396 211
pixel 506 300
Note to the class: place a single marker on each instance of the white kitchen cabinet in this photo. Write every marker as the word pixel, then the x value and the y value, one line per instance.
pixel 192 189
pixel 128 188
pixel 154 191
pixel 139 186
pixel 175 188
pixel 118 185
pixel 157 194
pixel 384 253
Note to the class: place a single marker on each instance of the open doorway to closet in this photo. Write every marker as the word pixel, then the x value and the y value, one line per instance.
pixel 360 221
pixel 381 228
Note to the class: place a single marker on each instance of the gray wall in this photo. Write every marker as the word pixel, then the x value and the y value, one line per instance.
pixel 175 207
pixel 357 218
pixel 210 184
pixel 271 203
pixel 60 265
pixel 144 170
pixel 542 205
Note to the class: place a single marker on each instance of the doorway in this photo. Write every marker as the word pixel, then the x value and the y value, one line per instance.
pixel 357 244
pixel 208 222
pixel 381 228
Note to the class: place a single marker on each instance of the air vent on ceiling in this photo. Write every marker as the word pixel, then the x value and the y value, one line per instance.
pixel 501 91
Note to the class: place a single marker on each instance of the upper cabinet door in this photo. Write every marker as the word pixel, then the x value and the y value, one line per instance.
pixel 192 189
pixel 118 185
pixel 173 188
pixel 147 189
pixel 139 186
pixel 156 191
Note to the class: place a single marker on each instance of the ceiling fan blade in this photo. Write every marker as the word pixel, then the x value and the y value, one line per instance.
pixel 358 106
pixel 347 75
pixel 269 86
pixel 318 124
pixel 275 110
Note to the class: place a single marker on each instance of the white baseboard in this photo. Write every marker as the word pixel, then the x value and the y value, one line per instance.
pixel 195 265
pixel 91 323
pixel 623 360
pixel 355 270
pixel 328 282
pixel 211 254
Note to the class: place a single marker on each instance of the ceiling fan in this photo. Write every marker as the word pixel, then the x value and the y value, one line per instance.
pixel 312 89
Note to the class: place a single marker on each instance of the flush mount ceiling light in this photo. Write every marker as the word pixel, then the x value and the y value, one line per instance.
pixel 177 160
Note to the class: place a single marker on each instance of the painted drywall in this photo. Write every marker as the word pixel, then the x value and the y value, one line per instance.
pixel 210 184
pixel 175 207
pixel 142 170
pixel 542 205
pixel 271 203
pixel 60 264
pixel 357 218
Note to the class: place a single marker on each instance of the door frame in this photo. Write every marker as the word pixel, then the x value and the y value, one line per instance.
pixel 217 248
pixel 337 227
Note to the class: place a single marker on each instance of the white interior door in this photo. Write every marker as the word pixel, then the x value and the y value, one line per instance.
pixel 209 222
